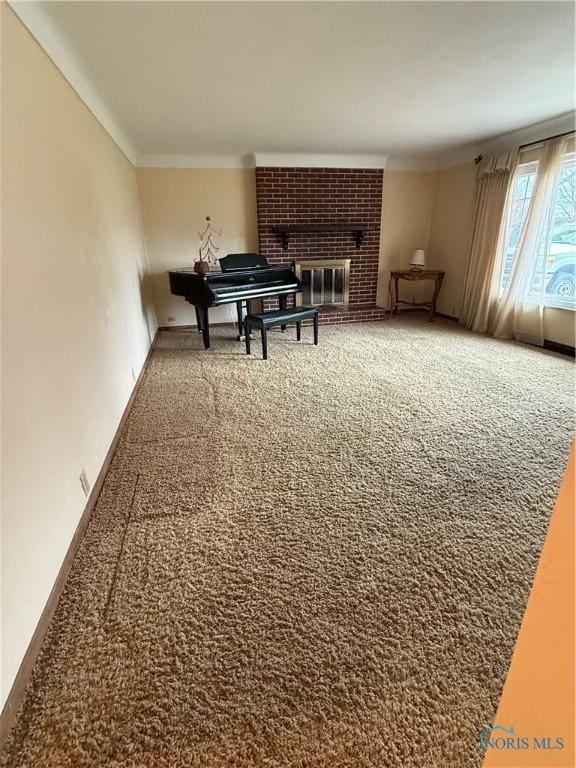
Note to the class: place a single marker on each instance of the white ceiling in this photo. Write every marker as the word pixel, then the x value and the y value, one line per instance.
pixel 171 80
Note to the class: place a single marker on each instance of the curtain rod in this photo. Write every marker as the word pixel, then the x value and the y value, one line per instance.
pixel 478 158
pixel 548 138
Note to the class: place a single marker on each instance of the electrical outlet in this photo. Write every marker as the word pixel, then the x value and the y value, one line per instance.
pixel 84 483
pixel 133 374
pixel 171 319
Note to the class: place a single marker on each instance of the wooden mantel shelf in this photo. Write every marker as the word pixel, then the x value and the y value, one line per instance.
pixel 285 230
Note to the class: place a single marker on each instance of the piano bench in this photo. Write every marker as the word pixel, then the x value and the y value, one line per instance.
pixel 281 317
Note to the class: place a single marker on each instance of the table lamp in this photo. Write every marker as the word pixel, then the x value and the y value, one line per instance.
pixel 418 259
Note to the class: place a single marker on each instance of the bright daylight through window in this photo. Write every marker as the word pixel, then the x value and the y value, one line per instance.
pixel 554 265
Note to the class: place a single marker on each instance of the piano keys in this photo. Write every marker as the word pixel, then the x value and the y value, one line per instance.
pixel 244 276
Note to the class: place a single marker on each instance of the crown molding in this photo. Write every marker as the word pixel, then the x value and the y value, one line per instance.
pixel 278 160
pixel 414 164
pixel 37 21
pixel 290 160
pixel 194 161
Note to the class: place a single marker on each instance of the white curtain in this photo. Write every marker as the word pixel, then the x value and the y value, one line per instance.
pixel 518 311
pixel 480 292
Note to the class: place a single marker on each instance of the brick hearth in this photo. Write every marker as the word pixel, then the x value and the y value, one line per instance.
pixel 325 196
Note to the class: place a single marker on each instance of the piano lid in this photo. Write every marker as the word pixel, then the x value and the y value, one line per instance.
pixel 235 262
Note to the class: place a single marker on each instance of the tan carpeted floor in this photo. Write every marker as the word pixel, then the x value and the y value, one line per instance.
pixel 318 561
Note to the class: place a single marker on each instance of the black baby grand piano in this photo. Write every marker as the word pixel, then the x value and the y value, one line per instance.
pixel 244 276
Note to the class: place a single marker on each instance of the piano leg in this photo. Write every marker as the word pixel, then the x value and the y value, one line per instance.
pixel 203 315
pixel 240 305
pixel 282 303
pixel 240 336
pixel 247 337
pixel 198 319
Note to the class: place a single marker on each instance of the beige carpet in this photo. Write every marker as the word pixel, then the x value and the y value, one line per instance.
pixel 318 561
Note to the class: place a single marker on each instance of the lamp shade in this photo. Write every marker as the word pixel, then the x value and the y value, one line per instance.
pixel 418 258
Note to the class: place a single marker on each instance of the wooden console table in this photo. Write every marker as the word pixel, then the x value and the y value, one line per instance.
pixel 415 274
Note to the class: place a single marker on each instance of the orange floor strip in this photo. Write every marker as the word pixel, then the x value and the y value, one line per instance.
pixel 538 696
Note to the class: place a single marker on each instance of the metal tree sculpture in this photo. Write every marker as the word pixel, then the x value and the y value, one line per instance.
pixel 207 248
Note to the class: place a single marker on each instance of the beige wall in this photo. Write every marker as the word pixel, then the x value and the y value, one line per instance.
pixel 407 201
pixel 432 210
pixel 75 323
pixel 560 326
pixel 451 230
pixel 175 202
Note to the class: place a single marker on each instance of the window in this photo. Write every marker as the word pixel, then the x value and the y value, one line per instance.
pixel 555 260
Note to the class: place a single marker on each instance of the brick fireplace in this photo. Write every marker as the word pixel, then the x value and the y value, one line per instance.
pixel 331 202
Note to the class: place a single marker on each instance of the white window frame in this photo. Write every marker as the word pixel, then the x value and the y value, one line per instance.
pixel 553 302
